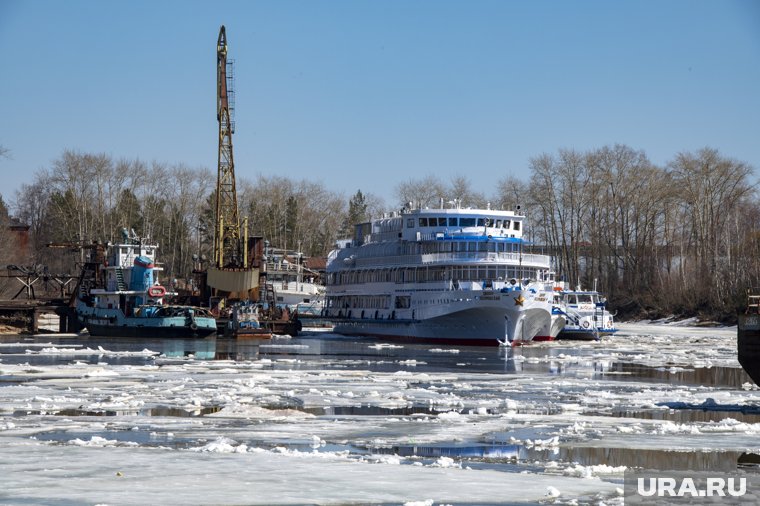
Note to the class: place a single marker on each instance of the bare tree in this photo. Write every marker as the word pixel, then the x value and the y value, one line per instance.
pixel 510 192
pixel 712 190
pixel 425 192
pixel 460 190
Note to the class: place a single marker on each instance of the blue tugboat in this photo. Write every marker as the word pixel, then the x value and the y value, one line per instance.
pixel 119 295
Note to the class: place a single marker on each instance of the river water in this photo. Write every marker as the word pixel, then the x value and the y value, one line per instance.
pixel 322 418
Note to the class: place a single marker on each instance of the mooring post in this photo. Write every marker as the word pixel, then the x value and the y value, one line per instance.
pixel 35 321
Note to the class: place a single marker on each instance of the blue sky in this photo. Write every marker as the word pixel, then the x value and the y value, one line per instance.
pixel 368 94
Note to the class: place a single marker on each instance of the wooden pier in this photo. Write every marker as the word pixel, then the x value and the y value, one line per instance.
pixel 28 314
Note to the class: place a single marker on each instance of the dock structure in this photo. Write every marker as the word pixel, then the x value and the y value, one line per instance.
pixel 28 315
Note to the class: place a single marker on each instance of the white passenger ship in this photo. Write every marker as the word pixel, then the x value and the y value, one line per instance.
pixel 440 275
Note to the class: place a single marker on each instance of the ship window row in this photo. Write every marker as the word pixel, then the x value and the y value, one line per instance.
pixel 450 221
pixel 455 273
pixel 462 247
pixel 360 301
pixel 127 250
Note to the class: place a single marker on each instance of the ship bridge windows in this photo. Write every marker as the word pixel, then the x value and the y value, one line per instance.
pixel 451 221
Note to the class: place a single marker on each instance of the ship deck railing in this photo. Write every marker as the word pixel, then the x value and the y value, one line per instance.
pixel 454 257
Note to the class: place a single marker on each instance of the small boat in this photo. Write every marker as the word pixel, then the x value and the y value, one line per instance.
pixel 748 336
pixel 295 286
pixel 119 295
pixel 245 321
pixel 583 314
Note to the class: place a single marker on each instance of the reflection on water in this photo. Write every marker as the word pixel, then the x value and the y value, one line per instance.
pixel 329 350
pixel 586 456
pixel 508 452
pixel 652 459
pixel 683 415
pixel 326 351
pixel 716 375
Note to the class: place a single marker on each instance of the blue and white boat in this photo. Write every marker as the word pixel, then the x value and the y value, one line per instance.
pixel 584 313
pixel 119 295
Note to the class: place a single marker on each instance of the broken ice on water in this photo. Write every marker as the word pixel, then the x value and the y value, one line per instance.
pixel 327 419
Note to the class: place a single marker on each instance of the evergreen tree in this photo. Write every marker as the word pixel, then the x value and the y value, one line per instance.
pixel 357 213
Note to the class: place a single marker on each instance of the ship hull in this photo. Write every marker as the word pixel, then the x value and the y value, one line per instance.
pixel 584 335
pixel 150 332
pixel 489 326
pixel 748 345
pixel 114 324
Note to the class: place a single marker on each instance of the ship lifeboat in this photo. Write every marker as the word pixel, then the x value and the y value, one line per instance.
pixel 156 291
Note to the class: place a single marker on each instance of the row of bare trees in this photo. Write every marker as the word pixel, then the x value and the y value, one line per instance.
pixel 684 238
pixel 675 239
pixel 85 197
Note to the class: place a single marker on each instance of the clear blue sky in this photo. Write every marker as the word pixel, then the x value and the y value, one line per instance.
pixel 367 94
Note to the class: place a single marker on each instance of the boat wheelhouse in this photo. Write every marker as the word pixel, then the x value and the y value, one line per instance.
pixel 295 286
pixel 118 294
pixel 440 275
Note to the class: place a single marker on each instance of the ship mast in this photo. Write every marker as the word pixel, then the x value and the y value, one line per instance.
pixel 227 243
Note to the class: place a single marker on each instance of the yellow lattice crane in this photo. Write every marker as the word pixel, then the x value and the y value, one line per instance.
pixel 231 272
pixel 227 244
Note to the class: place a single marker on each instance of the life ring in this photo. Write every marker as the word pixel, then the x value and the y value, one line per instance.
pixel 585 325
pixel 193 326
pixel 156 291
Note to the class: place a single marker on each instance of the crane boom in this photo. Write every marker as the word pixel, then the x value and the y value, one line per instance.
pixel 231 272
pixel 227 240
